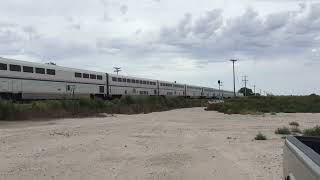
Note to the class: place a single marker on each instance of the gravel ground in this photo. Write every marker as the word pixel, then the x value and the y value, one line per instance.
pixel 179 144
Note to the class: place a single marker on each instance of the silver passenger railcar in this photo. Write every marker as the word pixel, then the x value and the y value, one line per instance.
pixel 127 85
pixel 27 80
pixel 194 91
pixel 171 89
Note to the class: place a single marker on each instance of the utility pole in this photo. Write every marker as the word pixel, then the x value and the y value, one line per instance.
pixel 117 69
pixel 220 84
pixel 245 85
pixel 234 81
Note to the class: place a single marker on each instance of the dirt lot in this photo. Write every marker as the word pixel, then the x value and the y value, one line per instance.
pixel 180 144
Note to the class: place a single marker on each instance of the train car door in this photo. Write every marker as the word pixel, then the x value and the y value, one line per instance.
pixel 16 86
pixel 4 86
pixel 70 89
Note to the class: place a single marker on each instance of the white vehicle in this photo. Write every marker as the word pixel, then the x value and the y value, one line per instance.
pixel 28 80
pixel 301 158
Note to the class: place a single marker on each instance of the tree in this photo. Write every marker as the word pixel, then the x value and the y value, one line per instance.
pixel 246 92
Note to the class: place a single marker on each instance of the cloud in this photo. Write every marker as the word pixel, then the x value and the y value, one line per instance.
pixel 280 35
pixel 147 40
pixel 123 9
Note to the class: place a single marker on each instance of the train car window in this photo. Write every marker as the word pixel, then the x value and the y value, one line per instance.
pixel 114 79
pixel 40 70
pixel 124 80
pixel 141 82
pixel 3 67
pixel 51 71
pixel 101 89
pixel 28 69
pixel 93 76
pixel 119 80
pixel 99 77
pixel 85 75
pixel 15 68
pixel 148 83
pixel 68 88
pixel 129 80
pixel 144 82
pixel 77 75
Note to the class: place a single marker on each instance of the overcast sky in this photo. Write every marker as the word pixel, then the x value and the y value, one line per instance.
pixel 277 42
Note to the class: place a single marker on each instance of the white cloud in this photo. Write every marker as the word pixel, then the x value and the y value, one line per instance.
pixel 165 38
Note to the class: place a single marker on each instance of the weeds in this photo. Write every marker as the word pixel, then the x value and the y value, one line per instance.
pixel 315 131
pixel 88 107
pixel 260 136
pixel 283 130
pixel 296 124
pixel 295 129
pixel 272 105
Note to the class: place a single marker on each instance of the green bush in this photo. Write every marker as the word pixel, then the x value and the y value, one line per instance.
pixel 260 136
pixel 283 130
pixel 315 131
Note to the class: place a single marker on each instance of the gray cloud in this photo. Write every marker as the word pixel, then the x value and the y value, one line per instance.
pixel 280 35
pixel 140 41
pixel 123 9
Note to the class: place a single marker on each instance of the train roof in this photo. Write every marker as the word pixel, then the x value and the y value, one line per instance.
pixel 44 65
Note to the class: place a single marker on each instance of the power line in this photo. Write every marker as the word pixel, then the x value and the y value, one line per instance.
pixel 117 69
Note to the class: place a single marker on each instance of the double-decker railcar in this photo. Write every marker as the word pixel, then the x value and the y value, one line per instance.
pixel 171 89
pixel 194 91
pixel 208 92
pixel 127 85
pixel 27 80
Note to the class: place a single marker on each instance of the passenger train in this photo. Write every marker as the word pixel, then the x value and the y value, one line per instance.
pixel 35 81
